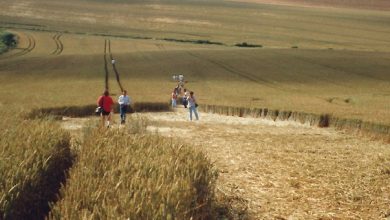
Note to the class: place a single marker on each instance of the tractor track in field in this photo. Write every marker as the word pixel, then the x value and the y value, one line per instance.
pixel 105 64
pixel 59 44
pixel 234 71
pixel 30 47
pixel 108 55
pixel 114 66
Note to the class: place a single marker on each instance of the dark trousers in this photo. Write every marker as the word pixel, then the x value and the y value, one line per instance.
pixel 123 110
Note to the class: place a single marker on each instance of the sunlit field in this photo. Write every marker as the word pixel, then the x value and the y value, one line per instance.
pixel 284 57
pixel 317 60
pixel 348 84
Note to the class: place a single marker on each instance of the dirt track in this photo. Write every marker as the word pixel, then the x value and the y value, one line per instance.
pixel 283 170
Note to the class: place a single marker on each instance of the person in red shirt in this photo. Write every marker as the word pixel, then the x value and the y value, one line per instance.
pixel 106 102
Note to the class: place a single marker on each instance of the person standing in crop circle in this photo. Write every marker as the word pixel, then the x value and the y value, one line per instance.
pixel 174 97
pixel 106 102
pixel 124 103
pixel 184 100
pixel 192 105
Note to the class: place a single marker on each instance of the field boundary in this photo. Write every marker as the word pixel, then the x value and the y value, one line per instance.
pixel 241 45
pixel 370 129
pixel 135 37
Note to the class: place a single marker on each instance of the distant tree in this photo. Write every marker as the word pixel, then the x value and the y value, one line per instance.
pixel 245 44
pixel 9 39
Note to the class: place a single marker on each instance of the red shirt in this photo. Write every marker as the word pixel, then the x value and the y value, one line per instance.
pixel 106 102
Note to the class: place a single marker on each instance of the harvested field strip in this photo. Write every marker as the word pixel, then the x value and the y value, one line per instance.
pixel 114 66
pixel 127 174
pixel 59 45
pixel 33 164
pixel 30 46
pixel 378 131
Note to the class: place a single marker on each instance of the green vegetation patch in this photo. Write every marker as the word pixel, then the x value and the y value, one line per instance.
pixel 7 40
pixel 33 162
pixel 245 44
pixel 192 41
pixel 128 174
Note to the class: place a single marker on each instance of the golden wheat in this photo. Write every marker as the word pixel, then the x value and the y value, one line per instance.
pixel 33 160
pixel 128 174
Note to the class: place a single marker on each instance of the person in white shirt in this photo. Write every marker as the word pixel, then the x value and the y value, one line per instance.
pixel 174 97
pixel 192 105
pixel 184 100
pixel 124 102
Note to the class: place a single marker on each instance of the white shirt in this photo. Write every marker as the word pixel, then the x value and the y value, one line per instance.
pixel 191 101
pixel 124 100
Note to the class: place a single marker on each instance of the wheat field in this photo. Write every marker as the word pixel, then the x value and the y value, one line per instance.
pixel 308 58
